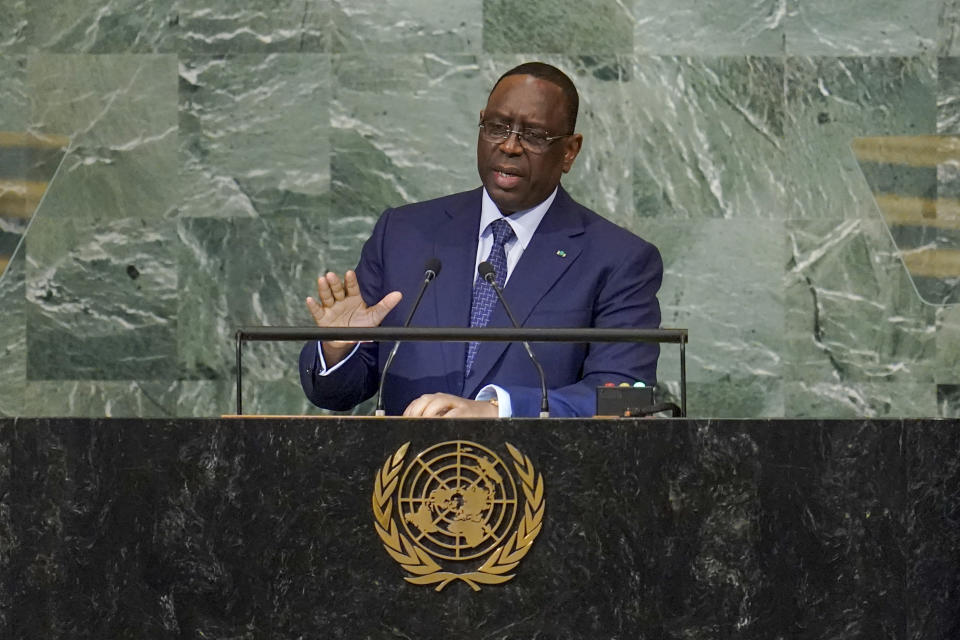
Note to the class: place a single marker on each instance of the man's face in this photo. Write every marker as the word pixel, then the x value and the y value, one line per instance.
pixel 517 179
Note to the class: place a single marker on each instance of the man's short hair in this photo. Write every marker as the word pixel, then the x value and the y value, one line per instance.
pixel 554 76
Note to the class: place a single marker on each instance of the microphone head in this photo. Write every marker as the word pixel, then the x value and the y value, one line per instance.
pixel 486 271
pixel 431 268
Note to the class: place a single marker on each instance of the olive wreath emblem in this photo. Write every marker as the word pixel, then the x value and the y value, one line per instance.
pixel 426 571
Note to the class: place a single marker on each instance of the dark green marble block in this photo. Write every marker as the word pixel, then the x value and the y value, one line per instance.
pixel 224 154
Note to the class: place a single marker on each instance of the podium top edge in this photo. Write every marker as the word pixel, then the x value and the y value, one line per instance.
pixel 461 334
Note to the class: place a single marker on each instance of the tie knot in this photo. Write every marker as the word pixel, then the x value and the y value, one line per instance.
pixel 502 231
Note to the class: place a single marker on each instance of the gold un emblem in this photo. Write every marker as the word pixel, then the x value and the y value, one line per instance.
pixel 457 503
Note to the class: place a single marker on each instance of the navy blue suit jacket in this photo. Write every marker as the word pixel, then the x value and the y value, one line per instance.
pixel 579 270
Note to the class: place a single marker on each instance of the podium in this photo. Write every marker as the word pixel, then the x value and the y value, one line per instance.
pixel 264 528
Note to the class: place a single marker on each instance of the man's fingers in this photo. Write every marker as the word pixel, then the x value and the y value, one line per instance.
pixel 414 408
pixel 436 407
pixel 336 286
pixel 331 289
pixel 427 406
pixel 339 303
pixel 315 310
pixel 385 306
pixel 323 291
pixel 351 283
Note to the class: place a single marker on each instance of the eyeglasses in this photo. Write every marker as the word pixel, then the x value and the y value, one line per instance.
pixel 532 140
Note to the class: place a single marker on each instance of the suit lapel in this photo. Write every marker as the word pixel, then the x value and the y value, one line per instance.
pixel 539 268
pixel 456 248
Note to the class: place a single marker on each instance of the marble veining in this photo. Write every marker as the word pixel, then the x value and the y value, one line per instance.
pixel 221 155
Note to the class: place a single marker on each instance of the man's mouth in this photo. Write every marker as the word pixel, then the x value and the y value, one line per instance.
pixel 505 179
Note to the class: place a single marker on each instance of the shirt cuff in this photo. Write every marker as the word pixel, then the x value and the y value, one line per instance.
pixel 492 391
pixel 323 363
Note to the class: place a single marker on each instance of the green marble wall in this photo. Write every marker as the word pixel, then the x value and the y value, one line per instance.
pixel 223 153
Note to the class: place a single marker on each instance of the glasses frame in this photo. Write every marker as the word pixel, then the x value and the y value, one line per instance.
pixel 520 137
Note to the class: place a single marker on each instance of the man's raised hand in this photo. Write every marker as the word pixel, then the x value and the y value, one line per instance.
pixel 339 304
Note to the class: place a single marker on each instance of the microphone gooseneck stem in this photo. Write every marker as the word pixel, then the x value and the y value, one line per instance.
pixel 427 279
pixel 490 277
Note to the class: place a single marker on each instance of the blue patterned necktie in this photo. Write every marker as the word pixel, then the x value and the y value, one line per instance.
pixel 484 297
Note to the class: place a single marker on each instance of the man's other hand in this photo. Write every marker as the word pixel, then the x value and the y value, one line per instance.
pixel 339 304
pixel 444 405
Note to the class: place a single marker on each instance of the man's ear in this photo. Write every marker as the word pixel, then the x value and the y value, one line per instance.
pixel 571 147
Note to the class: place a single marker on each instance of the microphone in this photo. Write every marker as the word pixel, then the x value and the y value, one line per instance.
pixel 430 271
pixel 488 273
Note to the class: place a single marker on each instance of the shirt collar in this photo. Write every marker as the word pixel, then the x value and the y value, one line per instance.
pixel 524 223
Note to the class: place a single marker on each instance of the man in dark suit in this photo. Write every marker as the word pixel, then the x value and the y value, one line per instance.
pixel 563 265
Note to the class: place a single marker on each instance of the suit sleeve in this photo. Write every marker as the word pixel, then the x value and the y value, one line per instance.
pixel 627 299
pixel 358 378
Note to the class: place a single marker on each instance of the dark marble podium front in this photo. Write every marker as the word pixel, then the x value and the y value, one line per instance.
pixel 262 528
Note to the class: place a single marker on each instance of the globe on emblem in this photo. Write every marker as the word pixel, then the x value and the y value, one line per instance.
pixel 457 500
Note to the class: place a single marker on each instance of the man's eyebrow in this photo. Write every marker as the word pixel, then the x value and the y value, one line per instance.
pixel 504 118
